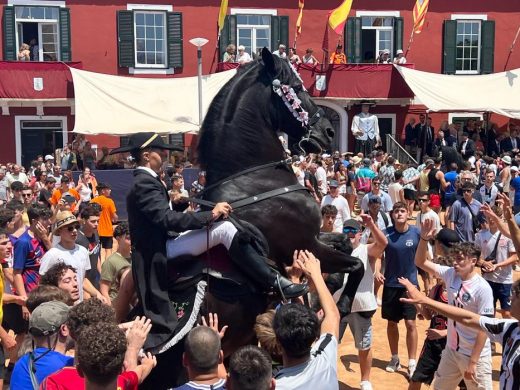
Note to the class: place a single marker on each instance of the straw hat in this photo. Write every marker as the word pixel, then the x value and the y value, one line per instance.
pixel 63 218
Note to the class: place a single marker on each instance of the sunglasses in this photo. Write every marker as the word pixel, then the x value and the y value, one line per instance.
pixel 350 230
pixel 471 191
pixel 27 195
pixel 71 228
pixel 376 183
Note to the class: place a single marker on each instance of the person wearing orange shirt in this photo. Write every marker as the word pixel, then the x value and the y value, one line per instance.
pixel 62 190
pixel 107 217
pixel 338 57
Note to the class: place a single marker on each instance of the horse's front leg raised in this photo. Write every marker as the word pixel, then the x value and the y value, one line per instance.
pixel 333 261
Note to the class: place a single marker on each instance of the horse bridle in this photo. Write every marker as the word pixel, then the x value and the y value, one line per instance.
pixel 293 104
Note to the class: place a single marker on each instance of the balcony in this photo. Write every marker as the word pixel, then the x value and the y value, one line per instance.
pixel 351 81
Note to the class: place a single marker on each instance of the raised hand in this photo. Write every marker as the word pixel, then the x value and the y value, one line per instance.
pixel 213 324
pixel 428 229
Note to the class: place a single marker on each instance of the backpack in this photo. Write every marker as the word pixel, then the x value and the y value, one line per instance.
pixel 363 184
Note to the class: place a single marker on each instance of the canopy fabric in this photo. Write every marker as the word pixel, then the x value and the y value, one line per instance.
pixel 21 80
pixel 124 105
pixel 497 92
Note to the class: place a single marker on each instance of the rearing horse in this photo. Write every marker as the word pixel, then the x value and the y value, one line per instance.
pixel 239 134
pixel 245 162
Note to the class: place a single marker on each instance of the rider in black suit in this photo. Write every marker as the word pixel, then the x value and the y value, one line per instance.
pixel 150 219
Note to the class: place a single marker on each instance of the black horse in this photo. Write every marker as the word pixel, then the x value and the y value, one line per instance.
pixel 245 166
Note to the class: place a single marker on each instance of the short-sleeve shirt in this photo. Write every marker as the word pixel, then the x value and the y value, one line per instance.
pixel 463 218
pixel 91 244
pixel 400 255
pixel 507 333
pixel 474 295
pixel 319 372
pixel 77 258
pixel 486 242
pixel 28 252
pixel 110 269
pixel 343 211
pixel 218 385
pixel 58 193
pixel 68 378
pixel 108 209
pixel 515 183
pixel 46 362
pixel 408 175
pixel 386 201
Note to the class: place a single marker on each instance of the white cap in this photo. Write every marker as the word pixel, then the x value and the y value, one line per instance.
pixel 49 157
pixel 514 168
pixel 325 155
pixel 399 51
pixel 386 51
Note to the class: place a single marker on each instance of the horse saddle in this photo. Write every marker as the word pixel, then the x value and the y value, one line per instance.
pixel 185 271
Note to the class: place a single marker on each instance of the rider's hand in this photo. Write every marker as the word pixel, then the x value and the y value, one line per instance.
pixel 222 209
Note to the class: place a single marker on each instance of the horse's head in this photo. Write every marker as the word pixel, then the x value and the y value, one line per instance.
pixel 296 113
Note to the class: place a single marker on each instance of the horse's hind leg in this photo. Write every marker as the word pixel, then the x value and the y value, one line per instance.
pixel 333 261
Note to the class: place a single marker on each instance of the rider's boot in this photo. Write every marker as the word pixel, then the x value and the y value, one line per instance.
pixel 252 264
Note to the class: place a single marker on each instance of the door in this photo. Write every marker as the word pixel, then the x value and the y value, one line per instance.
pixel 40 138
pixel 385 127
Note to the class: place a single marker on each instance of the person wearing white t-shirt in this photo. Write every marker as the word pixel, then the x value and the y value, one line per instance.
pixel 297 328
pixel 364 304
pixel 70 253
pixel 335 199
pixel 468 352
pixel 496 264
pixel 395 189
pixel 321 175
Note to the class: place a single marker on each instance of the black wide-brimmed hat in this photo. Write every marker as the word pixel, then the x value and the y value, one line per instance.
pixel 141 141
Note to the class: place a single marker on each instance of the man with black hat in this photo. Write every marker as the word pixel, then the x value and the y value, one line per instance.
pixel 50 334
pixel 150 219
pixel 365 128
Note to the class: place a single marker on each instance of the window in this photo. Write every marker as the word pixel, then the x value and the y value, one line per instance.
pixel 371 32
pixel 468 46
pixel 376 36
pixel 254 32
pixel 150 40
pixel 45 29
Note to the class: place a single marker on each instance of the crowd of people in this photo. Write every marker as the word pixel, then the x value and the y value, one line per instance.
pixel 336 57
pixel 67 260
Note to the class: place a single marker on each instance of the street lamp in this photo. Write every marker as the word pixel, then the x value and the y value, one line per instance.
pixel 199 42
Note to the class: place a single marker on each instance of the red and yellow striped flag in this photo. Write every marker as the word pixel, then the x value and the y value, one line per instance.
pixel 222 15
pixel 338 16
pixel 299 20
pixel 419 15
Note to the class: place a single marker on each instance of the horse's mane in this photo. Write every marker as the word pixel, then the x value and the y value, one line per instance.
pixel 231 105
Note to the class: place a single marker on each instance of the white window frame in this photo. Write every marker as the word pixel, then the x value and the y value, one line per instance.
pixel 470 18
pixel 452 115
pixel 36 3
pixel 18 130
pixel 393 14
pixel 40 23
pixel 151 70
pixel 393 117
pixel 253 11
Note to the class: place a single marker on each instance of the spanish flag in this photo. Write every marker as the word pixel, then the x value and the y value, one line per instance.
pixel 419 15
pixel 299 20
pixel 222 15
pixel 338 16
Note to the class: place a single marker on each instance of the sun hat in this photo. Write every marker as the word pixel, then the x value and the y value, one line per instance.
pixel 399 51
pixel 64 218
pixel 140 141
pixel 49 157
pixel 506 160
pixel 47 318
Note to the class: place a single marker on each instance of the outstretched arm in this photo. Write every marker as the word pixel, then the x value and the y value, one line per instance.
pixel 421 256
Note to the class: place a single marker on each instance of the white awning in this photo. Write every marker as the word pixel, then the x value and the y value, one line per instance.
pixel 497 92
pixel 120 105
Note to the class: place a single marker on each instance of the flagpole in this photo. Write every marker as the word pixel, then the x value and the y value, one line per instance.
pixel 512 47
pixel 409 43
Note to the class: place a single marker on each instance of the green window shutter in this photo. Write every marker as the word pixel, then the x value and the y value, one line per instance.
pixel 228 34
pixel 449 47
pixel 65 50
pixel 352 44
pixel 125 38
pixel 487 50
pixel 9 43
pixel 275 32
pixel 398 34
pixel 284 31
pixel 175 49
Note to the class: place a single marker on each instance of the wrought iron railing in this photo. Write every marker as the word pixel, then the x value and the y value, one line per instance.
pixel 394 148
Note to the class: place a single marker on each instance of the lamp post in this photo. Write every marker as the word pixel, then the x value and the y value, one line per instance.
pixel 199 42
